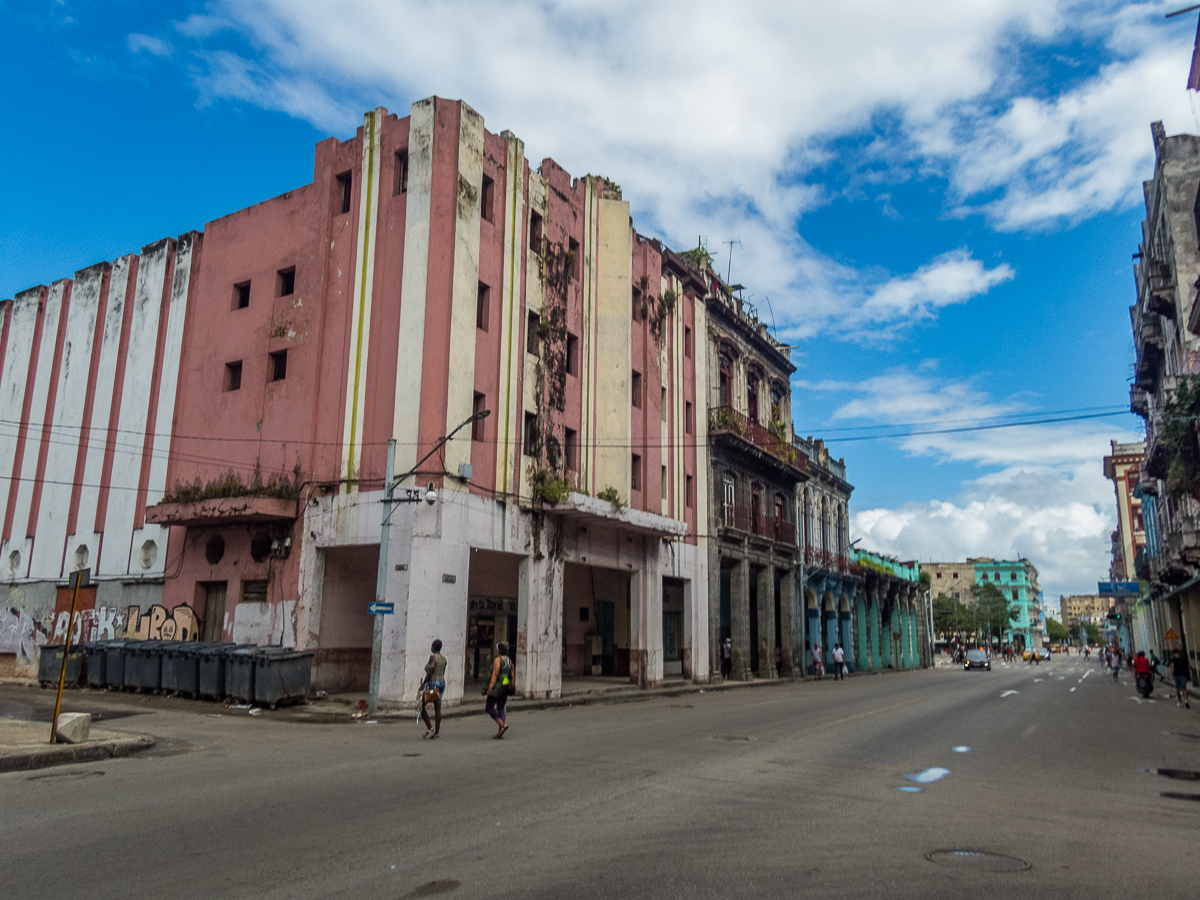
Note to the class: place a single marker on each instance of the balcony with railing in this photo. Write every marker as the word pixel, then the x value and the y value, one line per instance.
pixel 744 517
pixel 725 421
pixel 829 560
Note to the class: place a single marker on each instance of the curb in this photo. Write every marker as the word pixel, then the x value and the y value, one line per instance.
pixel 65 754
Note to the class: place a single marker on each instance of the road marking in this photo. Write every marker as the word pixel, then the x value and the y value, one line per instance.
pixel 961 749
pixel 1036 680
pixel 1009 693
pixel 1086 674
pixel 1072 690
pixel 937 773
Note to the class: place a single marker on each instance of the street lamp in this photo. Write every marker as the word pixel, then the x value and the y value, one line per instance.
pixel 380 607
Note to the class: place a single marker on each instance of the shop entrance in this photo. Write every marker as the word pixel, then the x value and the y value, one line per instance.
pixel 343 658
pixel 595 621
pixel 491 611
pixel 673 633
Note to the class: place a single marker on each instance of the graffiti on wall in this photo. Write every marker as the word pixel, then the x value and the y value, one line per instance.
pixel 157 624
pixel 20 634
pixel 100 624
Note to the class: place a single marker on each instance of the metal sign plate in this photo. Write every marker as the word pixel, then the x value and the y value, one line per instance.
pixel 376 608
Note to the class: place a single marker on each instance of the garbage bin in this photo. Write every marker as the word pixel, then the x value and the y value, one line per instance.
pixel 114 663
pixel 210 668
pixel 181 667
pixel 147 660
pixel 96 651
pixel 50 662
pixel 239 673
pixel 281 675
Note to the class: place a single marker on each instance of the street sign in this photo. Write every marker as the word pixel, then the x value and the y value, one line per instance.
pixel 1118 588
pixel 1170 635
pixel 376 608
pixel 81 578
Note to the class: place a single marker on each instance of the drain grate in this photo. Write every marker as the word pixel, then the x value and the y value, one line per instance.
pixel 977 860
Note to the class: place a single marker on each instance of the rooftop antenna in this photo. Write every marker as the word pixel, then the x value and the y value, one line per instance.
pixel 768 299
pixel 729 268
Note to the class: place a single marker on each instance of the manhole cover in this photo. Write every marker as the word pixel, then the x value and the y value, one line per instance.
pixel 1180 774
pixel 979 860
pixel 733 737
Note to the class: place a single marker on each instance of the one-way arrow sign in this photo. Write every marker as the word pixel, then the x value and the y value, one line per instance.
pixel 376 608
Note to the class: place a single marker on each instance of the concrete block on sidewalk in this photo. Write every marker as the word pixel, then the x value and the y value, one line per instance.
pixel 73 728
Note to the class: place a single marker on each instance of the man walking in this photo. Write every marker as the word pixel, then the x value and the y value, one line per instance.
pixel 1179 671
pixel 839 659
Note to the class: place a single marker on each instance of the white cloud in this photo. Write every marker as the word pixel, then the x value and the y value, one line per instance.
pixel 1042 493
pixel 152 45
pixel 712 115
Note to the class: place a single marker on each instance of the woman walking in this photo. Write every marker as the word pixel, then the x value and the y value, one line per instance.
pixel 499 688
pixel 433 689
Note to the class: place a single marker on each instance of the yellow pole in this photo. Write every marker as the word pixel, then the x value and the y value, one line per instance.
pixel 62 678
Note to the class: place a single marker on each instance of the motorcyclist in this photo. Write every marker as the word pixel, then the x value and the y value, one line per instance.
pixel 1141 670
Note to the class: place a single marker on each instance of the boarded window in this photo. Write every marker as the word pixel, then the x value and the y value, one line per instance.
pixel 254 591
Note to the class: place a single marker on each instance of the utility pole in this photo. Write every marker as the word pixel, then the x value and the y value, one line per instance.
pixel 380 607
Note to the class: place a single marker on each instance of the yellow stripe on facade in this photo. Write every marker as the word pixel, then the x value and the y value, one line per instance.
pixel 368 186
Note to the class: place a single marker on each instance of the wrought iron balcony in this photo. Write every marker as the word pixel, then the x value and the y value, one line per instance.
pixel 725 420
pixel 744 517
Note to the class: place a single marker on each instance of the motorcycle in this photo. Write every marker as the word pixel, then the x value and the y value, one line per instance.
pixel 1145 684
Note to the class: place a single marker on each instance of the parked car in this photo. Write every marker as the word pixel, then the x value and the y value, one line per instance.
pixel 977 659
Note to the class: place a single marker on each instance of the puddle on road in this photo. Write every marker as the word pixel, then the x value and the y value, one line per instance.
pixel 937 773
pixel 909 789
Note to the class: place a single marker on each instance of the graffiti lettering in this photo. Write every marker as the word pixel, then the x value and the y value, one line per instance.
pixel 20 634
pixel 157 624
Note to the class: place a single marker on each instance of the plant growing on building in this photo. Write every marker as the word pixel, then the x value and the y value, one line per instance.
pixel 1178 437
pixel 278 485
pixel 546 487
pixel 610 494
pixel 724 419
pixel 656 310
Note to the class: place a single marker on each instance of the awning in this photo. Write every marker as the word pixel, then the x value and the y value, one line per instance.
pixel 223 511
pixel 582 508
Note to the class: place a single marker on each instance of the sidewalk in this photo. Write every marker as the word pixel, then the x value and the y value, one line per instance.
pixel 26 745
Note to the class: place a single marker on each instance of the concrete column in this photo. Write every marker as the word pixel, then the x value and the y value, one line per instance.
pixel 540 619
pixel 862 636
pixel 887 628
pixel 846 621
pixel 831 628
pixel 789 623
pixel 766 622
pixel 714 603
pixel 902 619
pixel 646 650
pixel 739 620
pixel 876 629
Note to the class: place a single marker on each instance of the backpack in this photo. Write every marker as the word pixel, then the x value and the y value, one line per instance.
pixel 505 681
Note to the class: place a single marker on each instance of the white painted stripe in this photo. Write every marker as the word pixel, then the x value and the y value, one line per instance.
pixel 21 329
pixel 135 410
pixel 37 417
pixel 106 376
pixel 411 343
pixel 70 399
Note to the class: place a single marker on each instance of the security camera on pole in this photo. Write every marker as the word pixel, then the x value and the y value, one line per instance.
pixel 380 607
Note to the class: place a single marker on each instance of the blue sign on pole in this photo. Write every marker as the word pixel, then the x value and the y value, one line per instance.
pixel 376 608
pixel 1118 588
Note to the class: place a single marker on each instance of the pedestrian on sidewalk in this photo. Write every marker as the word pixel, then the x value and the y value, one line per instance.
pixel 839 660
pixel 499 688
pixel 433 689
pixel 726 657
pixel 1179 671
pixel 818 662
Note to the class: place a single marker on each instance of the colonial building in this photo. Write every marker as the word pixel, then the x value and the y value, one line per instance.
pixel 207 424
pixel 1129 539
pixel 753 560
pixel 1166 331
pixel 1015 579
pixel 1082 608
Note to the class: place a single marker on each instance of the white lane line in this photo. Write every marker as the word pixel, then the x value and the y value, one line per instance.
pixel 1086 674
pixel 1009 693
pixel 1072 690
pixel 1036 680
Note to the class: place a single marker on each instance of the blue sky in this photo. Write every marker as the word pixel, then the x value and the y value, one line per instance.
pixel 939 202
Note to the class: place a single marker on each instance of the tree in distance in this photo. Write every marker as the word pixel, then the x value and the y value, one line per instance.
pixel 1057 632
pixel 992 614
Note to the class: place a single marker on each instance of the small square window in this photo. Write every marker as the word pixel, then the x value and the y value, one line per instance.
pixel 687 342
pixel 687 417
pixel 285 282
pixel 689 492
pixel 571 449
pixel 572 355
pixel 583 614
pixel 233 376
pixel 483 307
pixel 535 232
pixel 478 405
pixel 279 365
pixel 345 185
pixel 636 382
pixel 400 178
pixel 529 442
pixel 664 482
pixel 241 295
pixel 576 258
pixel 486 199
pixel 533 323
pixel 635 473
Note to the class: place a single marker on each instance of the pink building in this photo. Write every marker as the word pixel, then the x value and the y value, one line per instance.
pixel 427 273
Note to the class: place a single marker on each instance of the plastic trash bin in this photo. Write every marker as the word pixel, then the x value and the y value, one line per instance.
pixel 210 668
pixel 239 673
pixel 96 653
pixel 50 662
pixel 181 667
pixel 114 663
pixel 147 660
pixel 281 675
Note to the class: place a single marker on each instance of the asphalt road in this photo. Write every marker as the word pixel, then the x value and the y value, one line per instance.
pixel 783 791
